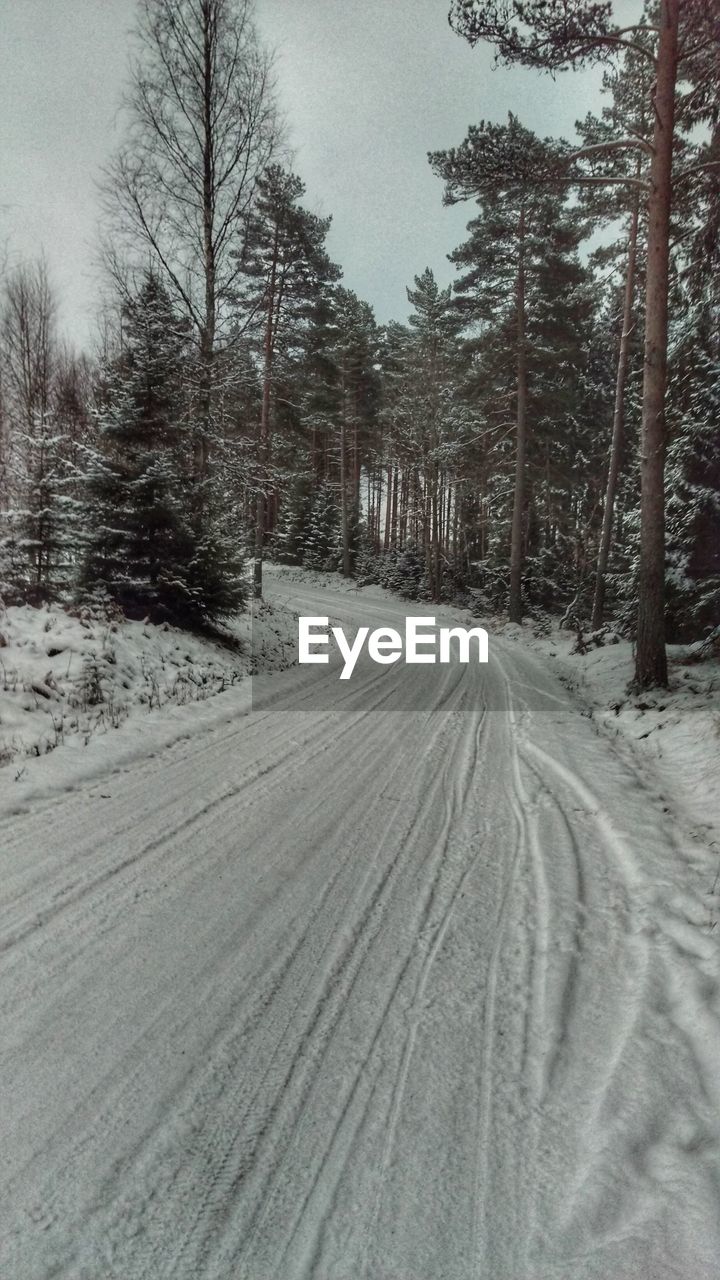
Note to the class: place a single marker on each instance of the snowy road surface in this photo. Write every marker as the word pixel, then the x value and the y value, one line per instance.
pixel 358 989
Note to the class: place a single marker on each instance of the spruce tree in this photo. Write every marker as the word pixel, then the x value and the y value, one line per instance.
pixel 146 547
pixel 322 543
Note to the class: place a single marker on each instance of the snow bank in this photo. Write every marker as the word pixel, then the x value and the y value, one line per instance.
pixel 73 676
pixel 677 729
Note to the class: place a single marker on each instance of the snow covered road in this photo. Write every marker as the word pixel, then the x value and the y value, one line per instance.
pixel 363 985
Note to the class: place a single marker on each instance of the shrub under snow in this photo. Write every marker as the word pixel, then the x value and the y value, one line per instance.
pixel 65 673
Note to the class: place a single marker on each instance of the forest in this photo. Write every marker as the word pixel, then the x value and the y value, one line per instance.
pixel 540 438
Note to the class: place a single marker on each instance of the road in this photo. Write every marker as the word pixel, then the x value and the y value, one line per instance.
pixel 371 984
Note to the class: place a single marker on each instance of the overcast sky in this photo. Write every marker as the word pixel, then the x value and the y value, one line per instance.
pixel 368 88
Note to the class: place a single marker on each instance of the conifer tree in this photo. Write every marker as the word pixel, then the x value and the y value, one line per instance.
pixel 145 548
pixel 285 268
pixel 694 468
pixel 629 86
pixel 685 36
pixel 429 417
pixel 348 405
pixel 521 283
pixel 322 541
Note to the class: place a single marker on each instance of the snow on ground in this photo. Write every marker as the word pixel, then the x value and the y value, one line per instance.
pixel 676 732
pixel 408 978
pixel 76 675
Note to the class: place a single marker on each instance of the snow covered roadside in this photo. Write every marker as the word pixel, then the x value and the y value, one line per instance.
pixel 402 990
pixel 677 730
pixel 108 692
pixel 101 688
pixel 82 697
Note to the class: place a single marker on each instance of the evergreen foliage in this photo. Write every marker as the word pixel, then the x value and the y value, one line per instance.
pixel 512 442
pixel 150 544
pixel 321 542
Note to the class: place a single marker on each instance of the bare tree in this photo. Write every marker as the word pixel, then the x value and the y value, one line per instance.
pixel 201 130
pixel 28 352
pixel 28 326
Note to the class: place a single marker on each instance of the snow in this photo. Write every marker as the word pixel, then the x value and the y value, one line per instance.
pixel 400 979
pixel 65 675
pixel 675 731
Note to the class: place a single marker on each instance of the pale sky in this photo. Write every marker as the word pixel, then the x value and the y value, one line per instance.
pixel 368 87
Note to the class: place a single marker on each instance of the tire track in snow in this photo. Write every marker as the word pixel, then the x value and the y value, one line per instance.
pixel 573 906
pixel 314 1018
pixel 351 964
pixel 525 842
pixel 71 897
pixel 347 729
pixel 371 753
pixel 461 777
pixel 355 956
pixel 350 772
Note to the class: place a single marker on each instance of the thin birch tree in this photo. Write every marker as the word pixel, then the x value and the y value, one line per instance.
pixel 201 130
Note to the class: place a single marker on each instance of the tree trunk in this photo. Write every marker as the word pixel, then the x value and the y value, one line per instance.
pixel 427 533
pixel 394 516
pixel 435 535
pixel 264 441
pixel 356 463
pixel 516 538
pixel 403 513
pixel 388 507
pixel 618 420
pixel 207 334
pixel 344 515
pixel 650 656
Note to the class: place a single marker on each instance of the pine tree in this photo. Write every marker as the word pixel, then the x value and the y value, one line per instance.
pixel 322 542
pixel 429 420
pixel 290 533
pixel 145 547
pixel 694 393
pixel 684 39
pixel 694 469
pixel 522 290
pixel 347 406
pixel 286 269
pixel 626 116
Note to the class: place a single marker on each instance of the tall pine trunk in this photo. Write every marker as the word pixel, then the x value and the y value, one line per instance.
pixel 344 509
pixel 516 537
pixel 436 535
pixel 207 333
pixel 618 420
pixel 394 516
pixel 264 440
pixel 650 656
pixel 388 507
